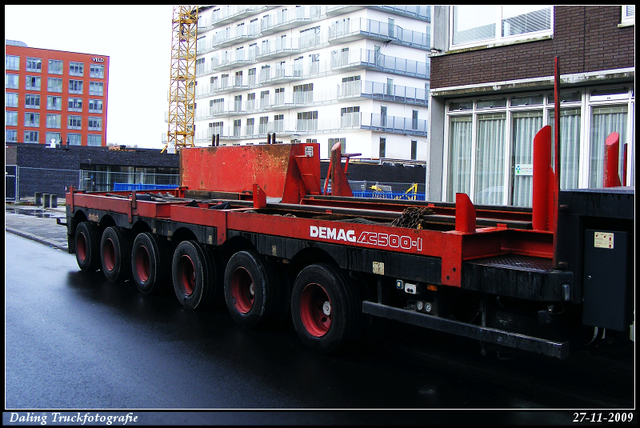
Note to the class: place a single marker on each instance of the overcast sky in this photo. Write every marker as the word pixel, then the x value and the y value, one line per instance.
pixel 138 41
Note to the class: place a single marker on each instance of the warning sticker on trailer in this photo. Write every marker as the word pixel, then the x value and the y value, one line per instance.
pixel 603 240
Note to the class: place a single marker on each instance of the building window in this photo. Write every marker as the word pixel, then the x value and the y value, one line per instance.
pixel 34 64
pixel 33 83
pixel 55 136
pixel 414 149
pixel 604 121
pixel 12 136
pixel 264 99
pixel 11 118
pixel 237 124
pixel 628 14
pixel 74 139
pixel 263 125
pixel 351 85
pixel 383 148
pixel 216 106
pixel 11 99
pixel 55 66
pixel 54 84
pixel 31 137
pixel 95 106
pixel 75 86
pixel 250 123
pixel 278 122
pixel 303 94
pixel 95 123
pixel 489 153
pixel 75 104
pixel 32 119
pixel 32 101
pixel 251 102
pixel 310 37
pixel 54 103
pixel 252 77
pixel 334 141
pixel 279 96
pixel 12 81
pixel 12 62
pixel 74 122
pixel 476 25
pixel 349 116
pixel 76 69
pixel 96 71
pixel 96 88
pixel 54 120
pixel 94 140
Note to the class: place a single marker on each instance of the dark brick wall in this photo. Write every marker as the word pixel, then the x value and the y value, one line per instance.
pixel 586 39
pixel 50 175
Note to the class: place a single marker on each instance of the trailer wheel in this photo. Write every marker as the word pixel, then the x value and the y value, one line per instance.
pixel 325 308
pixel 115 253
pixel 197 275
pixel 251 290
pixel 87 242
pixel 150 263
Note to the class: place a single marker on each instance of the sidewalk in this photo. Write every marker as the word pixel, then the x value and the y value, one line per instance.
pixel 38 224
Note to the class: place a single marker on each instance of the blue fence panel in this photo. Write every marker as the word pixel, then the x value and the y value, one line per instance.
pixel 140 186
pixel 389 195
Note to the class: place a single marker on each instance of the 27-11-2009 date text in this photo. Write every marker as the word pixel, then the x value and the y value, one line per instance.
pixel 603 417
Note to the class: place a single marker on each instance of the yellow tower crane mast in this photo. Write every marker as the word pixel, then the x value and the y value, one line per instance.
pixel 183 77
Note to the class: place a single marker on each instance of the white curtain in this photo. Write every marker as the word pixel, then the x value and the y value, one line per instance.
pixel 459 177
pixel 489 173
pixel 604 121
pixel 570 122
pixel 525 126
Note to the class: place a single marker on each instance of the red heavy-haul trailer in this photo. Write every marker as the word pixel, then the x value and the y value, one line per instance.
pixel 250 228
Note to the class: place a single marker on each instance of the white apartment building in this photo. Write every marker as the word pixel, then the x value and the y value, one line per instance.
pixel 358 75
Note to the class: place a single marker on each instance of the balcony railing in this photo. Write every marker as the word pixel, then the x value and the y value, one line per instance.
pixel 349 121
pixel 347 30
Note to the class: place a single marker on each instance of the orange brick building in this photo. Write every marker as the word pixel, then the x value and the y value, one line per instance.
pixel 57 96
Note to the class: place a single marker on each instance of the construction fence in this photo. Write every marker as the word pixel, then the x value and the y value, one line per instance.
pixel 23 183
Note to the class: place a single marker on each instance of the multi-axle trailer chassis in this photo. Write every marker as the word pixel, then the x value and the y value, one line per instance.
pixel 250 227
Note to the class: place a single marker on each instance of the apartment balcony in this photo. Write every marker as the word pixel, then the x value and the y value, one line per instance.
pixel 279 74
pixel 422 13
pixel 350 30
pixel 223 39
pixel 290 18
pixel 345 123
pixel 369 59
pixel 278 48
pixel 384 92
pixel 226 15
pixel 341 10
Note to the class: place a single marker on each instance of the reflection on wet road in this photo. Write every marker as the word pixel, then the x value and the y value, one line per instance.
pixel 75 340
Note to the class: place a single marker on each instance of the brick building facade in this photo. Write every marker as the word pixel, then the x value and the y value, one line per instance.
pixel 491 91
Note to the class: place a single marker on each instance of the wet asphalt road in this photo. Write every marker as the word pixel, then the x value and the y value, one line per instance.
pixel 77 341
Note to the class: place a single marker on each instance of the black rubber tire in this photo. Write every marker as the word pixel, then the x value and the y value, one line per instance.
pixel 326 309
pixel 197 274
pixel 251 290
pixel 115 253
pixel 151 263
pixel 87 247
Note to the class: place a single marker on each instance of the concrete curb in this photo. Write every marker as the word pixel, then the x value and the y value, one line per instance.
pixel 37 239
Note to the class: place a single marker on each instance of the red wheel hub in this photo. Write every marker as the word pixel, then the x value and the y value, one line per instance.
pixel 315 310
pixel 242 290
pixel 143 263
pixel 187 274
pixel 81 247
pixel 109 255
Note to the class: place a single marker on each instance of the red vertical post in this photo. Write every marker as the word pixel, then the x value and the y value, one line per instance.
pixel 554 206
pixel 611 151
pixel 541 174
pixel 465 214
